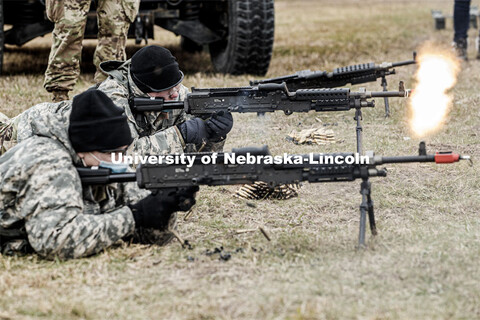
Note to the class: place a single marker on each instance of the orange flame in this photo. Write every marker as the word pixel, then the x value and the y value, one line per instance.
pixel 430 101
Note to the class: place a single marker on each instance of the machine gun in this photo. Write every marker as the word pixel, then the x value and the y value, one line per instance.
pixel 270 97
pixel 247 165
pixel 339 77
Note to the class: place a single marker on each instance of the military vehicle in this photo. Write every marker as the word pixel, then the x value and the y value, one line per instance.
pixel 238 33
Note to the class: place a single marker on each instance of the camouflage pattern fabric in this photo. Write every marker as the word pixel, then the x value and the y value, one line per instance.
pixel 29 119
pixel 40 189
pixel 114 19
pixel 8 133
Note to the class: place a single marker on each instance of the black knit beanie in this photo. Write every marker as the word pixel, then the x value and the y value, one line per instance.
pixel 155 69
pixel 97 124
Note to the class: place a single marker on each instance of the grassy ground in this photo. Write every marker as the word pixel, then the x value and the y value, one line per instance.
pixel 423 264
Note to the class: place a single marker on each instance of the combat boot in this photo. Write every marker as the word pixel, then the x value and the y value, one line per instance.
pixel 460 47
pixel 59 95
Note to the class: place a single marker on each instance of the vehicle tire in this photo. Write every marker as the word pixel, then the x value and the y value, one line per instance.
pixel 190 46
pixel 2 36
pixel 247 48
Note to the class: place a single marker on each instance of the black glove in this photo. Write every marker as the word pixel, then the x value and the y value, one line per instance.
pixel 219 125
pixel 155 210
pixel 186 197
pixel 193 131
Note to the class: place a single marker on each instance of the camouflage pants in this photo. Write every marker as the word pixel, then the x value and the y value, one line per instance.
pixel 70 16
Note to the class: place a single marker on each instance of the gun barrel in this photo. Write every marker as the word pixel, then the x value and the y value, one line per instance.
pixel 158 105
pixel 386 94
pixel 123 177
pixel 405 159
pixel 439 157
pixel 403 63
pixel 104 176
pixel 407 62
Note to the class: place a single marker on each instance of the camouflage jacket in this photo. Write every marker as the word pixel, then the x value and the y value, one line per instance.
pixel 152 132
pixel 41 193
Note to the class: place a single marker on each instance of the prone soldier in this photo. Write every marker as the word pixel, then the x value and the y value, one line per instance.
pixel 152 72
pixel 45 208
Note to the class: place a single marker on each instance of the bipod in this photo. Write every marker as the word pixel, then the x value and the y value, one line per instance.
pixel 366 207
pixel 359 129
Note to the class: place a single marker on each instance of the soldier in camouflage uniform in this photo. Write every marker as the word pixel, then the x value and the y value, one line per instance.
pixel 154 72
pixel 114 18
pixel 43 205
pixel 153 132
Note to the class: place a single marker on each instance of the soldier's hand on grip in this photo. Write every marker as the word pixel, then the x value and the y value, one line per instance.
pixel 219 125
pixel 155 210
pixel 193 131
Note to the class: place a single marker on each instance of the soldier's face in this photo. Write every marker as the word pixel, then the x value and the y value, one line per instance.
pixel 167 95
pixel 93 158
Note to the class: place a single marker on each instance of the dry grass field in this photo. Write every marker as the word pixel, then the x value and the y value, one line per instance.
pixel 424 264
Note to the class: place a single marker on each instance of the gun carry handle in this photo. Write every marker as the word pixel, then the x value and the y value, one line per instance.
pixel 273 87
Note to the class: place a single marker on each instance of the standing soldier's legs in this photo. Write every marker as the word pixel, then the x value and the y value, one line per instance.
pixel 114 19
pixel 64 61
pixel 477 45
pixel 461 20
